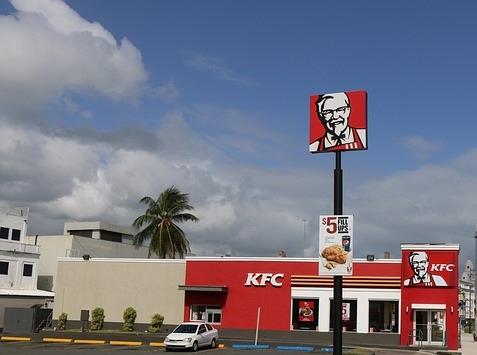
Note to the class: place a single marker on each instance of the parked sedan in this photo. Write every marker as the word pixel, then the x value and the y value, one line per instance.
pixel 192 335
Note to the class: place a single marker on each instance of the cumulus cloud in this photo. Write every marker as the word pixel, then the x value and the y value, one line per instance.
pixel 243 210
pixel 48 48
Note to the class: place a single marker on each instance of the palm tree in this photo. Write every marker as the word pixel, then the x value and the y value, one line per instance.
pixel 160 218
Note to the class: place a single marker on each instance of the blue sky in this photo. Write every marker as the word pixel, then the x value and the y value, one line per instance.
pixel 108 101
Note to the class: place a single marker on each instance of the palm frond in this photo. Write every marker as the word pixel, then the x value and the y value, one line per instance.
pixel 143 235
pixel 144 219
pixel 185 217
pixel 149 201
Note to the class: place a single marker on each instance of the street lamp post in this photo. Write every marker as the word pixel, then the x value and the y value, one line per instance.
pixel 474 306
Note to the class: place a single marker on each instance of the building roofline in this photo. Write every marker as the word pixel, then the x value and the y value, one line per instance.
pixel 97 225
pixel 123 260
pixel 215 258
pixel 282 259
pixel 430 246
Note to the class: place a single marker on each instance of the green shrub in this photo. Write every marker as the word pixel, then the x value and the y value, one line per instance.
pixel 129 316
pixel 62 321
pixel 97 318
pixel 156 323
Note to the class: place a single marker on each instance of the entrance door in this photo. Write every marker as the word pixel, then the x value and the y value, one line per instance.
pixel 430 326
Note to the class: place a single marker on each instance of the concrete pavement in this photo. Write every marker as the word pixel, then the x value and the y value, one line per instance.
pixel 469 347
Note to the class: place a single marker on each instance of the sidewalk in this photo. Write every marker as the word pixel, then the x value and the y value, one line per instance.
pixel 469 347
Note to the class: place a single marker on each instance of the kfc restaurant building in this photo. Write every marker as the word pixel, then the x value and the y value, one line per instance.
pixel 414 297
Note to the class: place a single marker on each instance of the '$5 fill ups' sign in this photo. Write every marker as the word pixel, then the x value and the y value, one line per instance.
pixel 336 245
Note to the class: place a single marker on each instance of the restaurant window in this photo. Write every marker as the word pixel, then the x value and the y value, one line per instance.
pixel 383 316
pixel 16 234
pixel 305 314
pixel 3 268
pixel 206 313
pixel 348 318
pixel 4 233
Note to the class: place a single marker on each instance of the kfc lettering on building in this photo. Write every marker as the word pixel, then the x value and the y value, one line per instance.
pixel 429 268
pixel 262 279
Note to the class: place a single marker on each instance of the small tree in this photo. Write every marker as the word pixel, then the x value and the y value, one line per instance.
pixel 97 318
pixel 62 321
pixel 156 323
pixel 129 316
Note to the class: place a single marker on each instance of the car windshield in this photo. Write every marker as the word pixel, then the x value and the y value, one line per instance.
pixel 186 328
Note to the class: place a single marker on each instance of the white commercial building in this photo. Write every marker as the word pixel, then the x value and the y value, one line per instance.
pixel 83 239
pixel 18 263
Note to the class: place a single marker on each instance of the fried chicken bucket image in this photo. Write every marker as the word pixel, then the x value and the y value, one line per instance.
pixel 334 254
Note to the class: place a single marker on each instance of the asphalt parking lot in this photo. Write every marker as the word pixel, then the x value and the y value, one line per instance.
pixel 40 348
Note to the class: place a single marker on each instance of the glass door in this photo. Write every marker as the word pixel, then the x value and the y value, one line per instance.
pixel 430 326
pixel 437 326
pixel 421 325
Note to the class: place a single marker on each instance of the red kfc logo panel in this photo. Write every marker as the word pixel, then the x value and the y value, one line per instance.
pixel 338 122
pixel 426 268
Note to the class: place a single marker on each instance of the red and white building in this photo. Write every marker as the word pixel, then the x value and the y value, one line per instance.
pixel 415 296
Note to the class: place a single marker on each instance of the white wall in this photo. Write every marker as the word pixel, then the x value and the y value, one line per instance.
pixel 15 278
pixel 17 253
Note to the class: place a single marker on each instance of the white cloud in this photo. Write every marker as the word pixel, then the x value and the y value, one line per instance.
pixel 48 48
pixel 243 210
pixel 73 108
pixel 168 91
pixel 420 146
pixel 213 65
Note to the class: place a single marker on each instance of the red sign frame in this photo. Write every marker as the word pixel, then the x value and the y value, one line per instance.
pixel 338 122
pixel 440 270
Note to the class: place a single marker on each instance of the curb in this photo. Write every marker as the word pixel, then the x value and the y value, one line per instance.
pixel 250 346
pixel 88 341
pixel 127 343
pixel 57 340
pixel 7 338
pixel 296 348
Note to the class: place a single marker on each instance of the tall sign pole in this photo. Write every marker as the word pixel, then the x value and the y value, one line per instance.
pixel 338 122
pixel 338 280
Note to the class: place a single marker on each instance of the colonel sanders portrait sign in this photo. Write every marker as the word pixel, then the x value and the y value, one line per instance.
pixel 429 269
pixel 338 122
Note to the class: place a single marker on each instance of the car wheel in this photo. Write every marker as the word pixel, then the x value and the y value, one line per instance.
pixel 213 343
pixel 195 346
pixel 167 349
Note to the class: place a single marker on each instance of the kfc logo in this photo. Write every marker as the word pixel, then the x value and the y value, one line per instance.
pixel 338 122
pixel 442 267
pixel 422 273
pixel 261 279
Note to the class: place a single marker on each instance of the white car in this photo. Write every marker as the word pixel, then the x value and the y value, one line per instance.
pixel 192 335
